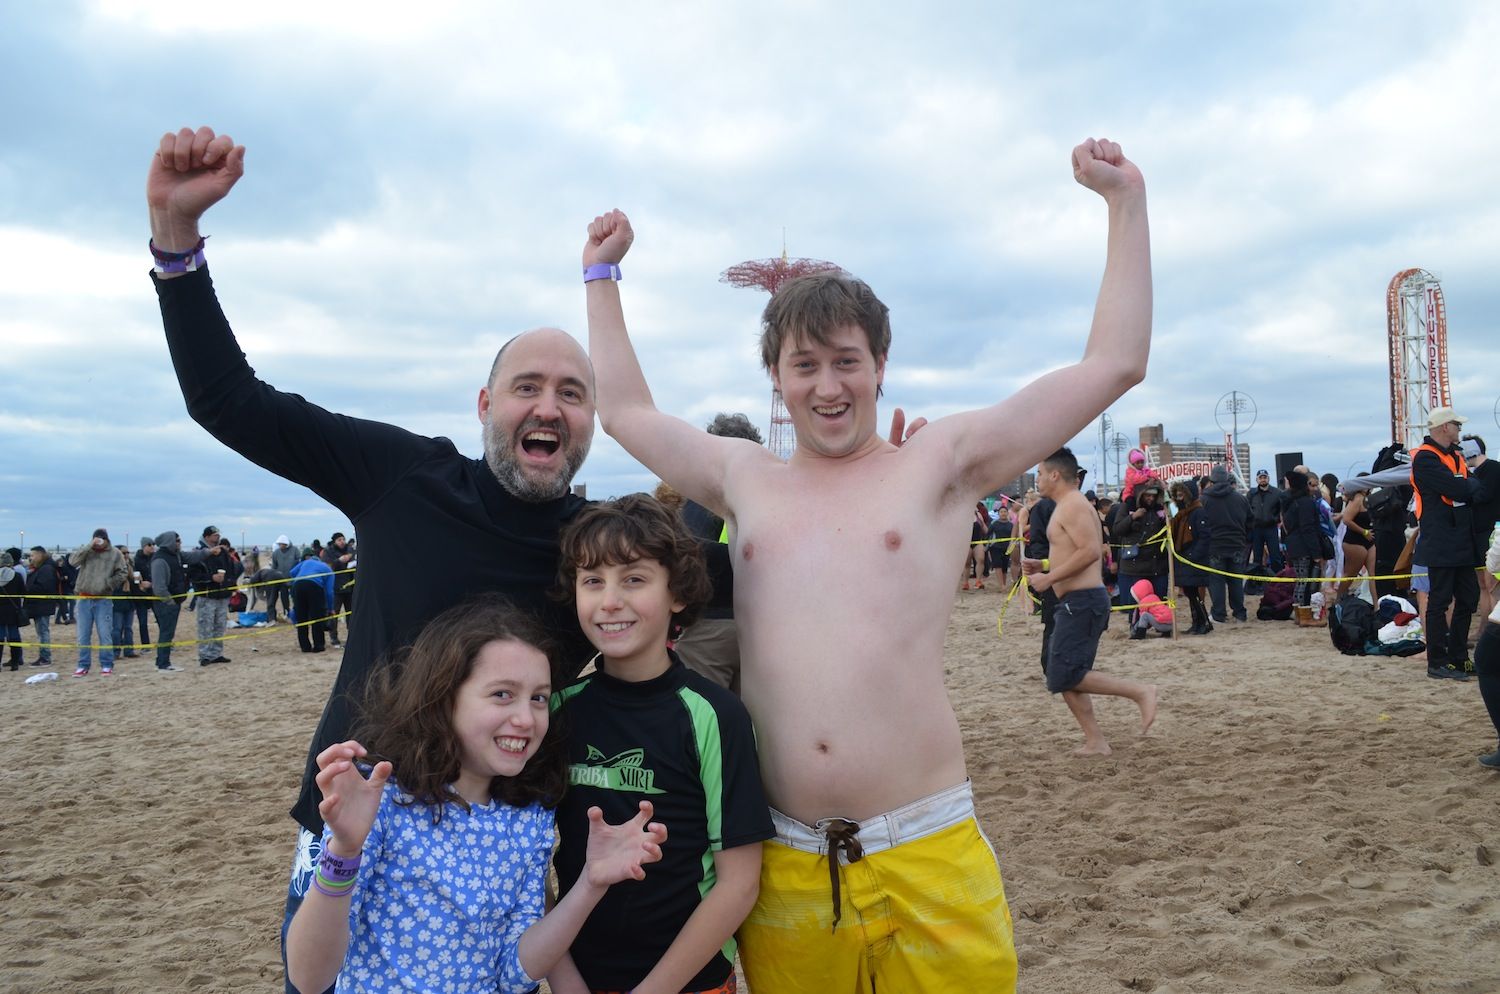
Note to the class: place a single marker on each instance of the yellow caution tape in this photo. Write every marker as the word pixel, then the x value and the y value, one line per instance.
pixel 148 646
pixel 189 593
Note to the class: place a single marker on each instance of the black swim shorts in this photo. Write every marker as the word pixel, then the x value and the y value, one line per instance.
pixel 1079 620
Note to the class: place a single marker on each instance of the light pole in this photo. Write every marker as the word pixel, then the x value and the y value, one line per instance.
pixel 1105 424
pixel 1232 404
pixel 1118 442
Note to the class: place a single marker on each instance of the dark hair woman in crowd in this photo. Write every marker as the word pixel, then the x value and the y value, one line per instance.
pixel 1190 535
pixel 1144 549
pixel 1304 543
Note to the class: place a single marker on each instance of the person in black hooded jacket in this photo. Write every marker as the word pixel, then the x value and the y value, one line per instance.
pixel 1229 523
pixel 42 579
pixel 1304 542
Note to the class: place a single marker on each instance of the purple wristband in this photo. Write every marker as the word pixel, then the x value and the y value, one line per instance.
pixel 602 271
pixel 337 870
pixel 344 891
pixel 178 262
pixel 191 264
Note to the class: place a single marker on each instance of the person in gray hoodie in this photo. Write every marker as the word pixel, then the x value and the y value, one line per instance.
pixel 101 573
pixel 284 559
pixel 170 584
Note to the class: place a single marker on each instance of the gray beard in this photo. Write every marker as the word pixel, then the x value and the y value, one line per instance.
pixel 499 455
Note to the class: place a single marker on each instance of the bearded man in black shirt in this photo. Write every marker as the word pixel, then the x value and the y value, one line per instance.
pixel 405 493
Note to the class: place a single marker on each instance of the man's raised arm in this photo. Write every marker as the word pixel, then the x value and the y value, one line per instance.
pixel 995 444
pixel 692 461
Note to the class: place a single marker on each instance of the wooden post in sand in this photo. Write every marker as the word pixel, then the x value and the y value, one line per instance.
pixel 1171 573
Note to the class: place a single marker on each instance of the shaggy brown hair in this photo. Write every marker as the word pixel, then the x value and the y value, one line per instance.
pixel 636 526
pixel 811 307
pixel 406 715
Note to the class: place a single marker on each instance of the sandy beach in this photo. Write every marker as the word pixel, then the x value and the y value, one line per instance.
pixel 1297 821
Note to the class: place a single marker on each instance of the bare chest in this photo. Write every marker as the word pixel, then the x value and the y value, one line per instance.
pixel 866 525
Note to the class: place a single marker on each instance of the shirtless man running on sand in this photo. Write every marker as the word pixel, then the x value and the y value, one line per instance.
pixel 860 749
pixel 1073 571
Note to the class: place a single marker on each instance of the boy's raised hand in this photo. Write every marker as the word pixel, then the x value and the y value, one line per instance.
pixel 610 236
pixel 617 852
pixel 1103 168
pixel 349 800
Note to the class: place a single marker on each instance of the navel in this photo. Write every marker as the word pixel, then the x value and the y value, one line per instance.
pixel 893 540
pixel 822 746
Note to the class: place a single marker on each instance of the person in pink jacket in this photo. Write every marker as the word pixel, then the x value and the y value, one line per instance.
pixel 1154 614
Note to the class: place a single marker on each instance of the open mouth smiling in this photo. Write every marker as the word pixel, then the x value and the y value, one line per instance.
pixel 541 442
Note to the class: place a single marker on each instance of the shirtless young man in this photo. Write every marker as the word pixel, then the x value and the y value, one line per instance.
pixel 860 749
pixel 1073 571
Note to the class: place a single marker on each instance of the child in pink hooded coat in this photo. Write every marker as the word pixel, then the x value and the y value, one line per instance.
pixel 1135 475
pixel 1153 615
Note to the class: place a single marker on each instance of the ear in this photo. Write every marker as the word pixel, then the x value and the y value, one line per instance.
pixel 484 403
pixel 776 378
pixel 880 371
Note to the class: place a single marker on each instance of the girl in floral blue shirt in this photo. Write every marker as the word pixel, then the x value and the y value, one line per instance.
pixel 434 880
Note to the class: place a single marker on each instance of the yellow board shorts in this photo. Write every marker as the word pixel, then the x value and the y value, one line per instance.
pixel 922 910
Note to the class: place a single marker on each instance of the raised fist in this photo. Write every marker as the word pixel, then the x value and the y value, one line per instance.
pixel 190 172
pixel 1103 168
pixel 610 236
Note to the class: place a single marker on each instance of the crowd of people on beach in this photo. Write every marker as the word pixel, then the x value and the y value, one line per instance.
pixel 1303 545
pixel 110 593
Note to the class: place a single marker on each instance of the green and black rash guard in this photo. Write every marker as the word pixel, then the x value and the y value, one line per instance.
pixel 686 745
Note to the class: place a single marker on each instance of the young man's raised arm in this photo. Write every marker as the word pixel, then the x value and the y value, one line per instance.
pixel 692 461
pixel 995 444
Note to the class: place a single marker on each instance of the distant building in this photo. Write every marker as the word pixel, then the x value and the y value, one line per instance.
pixel 1016 489
pixel 1195 458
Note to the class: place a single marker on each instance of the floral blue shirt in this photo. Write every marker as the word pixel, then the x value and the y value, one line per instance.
pixel 442 907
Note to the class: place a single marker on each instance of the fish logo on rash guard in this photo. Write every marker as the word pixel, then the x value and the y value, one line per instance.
pixel 622 772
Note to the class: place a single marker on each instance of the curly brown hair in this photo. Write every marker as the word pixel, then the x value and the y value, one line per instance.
pixel 636 526
pixel 406 712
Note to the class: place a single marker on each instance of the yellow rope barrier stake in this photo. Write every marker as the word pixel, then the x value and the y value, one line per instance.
pixel 1000 621
pixel 144 647
pixel 1171 575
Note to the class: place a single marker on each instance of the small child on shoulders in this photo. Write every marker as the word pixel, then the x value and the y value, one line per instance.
pixel 1136 476
pixel 644 726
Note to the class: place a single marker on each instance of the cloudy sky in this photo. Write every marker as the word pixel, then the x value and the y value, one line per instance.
pixel 419 177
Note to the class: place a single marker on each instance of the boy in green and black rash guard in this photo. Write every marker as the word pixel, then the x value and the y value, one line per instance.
pixel 644 728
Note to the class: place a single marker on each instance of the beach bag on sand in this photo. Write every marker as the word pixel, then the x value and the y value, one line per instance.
pixel 1405 647
pixel 238 601
pixel 1352 625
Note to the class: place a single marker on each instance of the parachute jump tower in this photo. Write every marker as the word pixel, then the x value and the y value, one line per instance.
pixel 768 275
pixel 1417 325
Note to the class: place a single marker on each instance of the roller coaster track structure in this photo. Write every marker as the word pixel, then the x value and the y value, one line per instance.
pixel 1417 326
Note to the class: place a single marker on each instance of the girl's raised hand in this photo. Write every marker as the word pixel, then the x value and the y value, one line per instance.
pixel 349 800
pixel 617 852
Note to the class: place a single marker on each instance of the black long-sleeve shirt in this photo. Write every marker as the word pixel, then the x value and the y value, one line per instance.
pixel 412 498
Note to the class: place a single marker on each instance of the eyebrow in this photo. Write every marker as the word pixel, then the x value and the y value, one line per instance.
pixel 838 349
pixel 543 688
pixel 562 381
